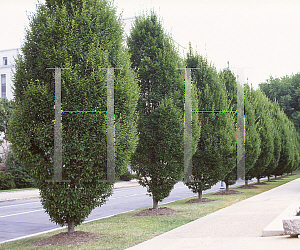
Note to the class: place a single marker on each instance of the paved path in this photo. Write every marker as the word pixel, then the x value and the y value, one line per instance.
pixel 238 226
pixel 34 193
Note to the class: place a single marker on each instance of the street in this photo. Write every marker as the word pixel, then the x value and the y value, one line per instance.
pixel 24 218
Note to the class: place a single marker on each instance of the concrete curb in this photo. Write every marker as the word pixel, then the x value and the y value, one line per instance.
pixel 275 228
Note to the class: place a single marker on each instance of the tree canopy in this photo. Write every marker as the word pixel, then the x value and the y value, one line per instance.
pixel 215 154
pixel 84 37
pixel 158 159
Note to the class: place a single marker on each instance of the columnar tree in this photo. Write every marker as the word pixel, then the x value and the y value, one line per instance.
pixel 215 155
pixel 158 160
pixel 252 137
pixel 265 129
pixel 230 82
pixel 293 138
pixel 286 144
pixel 84 36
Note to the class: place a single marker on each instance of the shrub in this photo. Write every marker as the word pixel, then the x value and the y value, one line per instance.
pixel 20 176
pixel 6 181
pixel 126 177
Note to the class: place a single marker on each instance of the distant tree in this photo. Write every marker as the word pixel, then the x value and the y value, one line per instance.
pixel 84 36
pixel 264 127
pixel 230 82
pixel 294 149
pixel 5 113
pixel 6 181
pixel 286 90
pixel 286 144
pixel 22 178
pixel 252 137
pixel 274 112
pixel 215 155
pixel 158 160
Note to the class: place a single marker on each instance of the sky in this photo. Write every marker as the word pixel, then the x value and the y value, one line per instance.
pixel 259 38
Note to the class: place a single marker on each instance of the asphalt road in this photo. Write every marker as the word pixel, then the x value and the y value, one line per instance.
pixel 27 218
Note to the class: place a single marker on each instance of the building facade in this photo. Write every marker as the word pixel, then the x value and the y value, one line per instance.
pixel 6 90
pixel 6 72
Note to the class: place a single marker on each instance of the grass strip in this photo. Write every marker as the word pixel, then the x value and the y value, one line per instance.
pixel 123 230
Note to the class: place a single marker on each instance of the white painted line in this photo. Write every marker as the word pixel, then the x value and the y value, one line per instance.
pixel 4 216
pixel 20 204
pixel 56 229
pixel 125 196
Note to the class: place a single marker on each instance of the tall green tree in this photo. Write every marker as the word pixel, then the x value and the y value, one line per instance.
pixel 294 148
pixel 83 36
pixel 215 155
pixel 252 137
pixel 230 82
pixel 265 129
pixel 274 112
pixel 158 160
pixel 286 144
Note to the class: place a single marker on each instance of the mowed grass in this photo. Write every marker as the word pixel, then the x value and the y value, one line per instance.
pixel 124 230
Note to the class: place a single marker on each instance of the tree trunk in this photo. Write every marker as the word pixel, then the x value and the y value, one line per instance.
pixel 275 177
pixel 155 203
pixel 71 226
pixel 258 180
pixel 200 195
pixel 227 187
pixel 246 182
pixel 268 178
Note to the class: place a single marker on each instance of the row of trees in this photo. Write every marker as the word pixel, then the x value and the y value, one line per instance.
pixel 286 91
pixel 86 36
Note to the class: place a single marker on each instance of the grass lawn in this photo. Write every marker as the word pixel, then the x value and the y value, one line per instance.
pixel 124 230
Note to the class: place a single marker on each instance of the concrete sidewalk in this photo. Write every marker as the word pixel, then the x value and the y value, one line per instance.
pixel 238 226
pixel 34 193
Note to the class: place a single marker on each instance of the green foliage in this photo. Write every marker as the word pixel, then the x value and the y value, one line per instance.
pixel 6 181
pixel 5 113
pixel 216 149
pixel 85 37
pixel 274 112
pixel 159 155
pixel 286 144
pixel 265 130
pixel 230 82
pixel 158 160
pixel 21 177
pixel 285 90
pixel 126 177
pixel 252 137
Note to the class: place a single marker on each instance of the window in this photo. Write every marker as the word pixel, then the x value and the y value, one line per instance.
pixel 3 85
pixel 4 60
